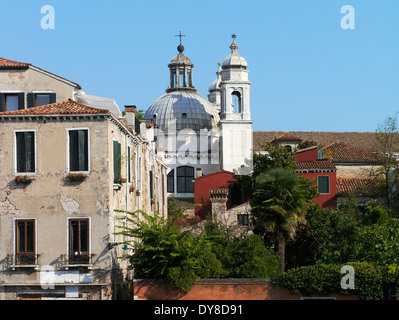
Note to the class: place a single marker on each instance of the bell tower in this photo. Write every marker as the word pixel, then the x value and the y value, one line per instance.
pixel 235 116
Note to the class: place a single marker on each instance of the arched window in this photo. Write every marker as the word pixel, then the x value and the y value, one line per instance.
pixel 171 182
pixel 185 179
pixel 236 101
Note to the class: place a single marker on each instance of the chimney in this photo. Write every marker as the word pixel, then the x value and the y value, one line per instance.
pixel 219 199
pixel 130 117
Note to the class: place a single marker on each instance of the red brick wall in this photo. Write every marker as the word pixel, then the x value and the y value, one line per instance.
pixel 218 289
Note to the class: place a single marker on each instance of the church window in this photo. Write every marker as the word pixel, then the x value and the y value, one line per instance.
pixel 236 101
pixel 185 179
pixel 171 182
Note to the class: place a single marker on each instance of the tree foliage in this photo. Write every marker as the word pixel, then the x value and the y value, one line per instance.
pixel 161 250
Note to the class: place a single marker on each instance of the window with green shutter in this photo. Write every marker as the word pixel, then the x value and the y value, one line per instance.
pixel 25 148
pixel 78 150
pixel 323 183
pixel 117 161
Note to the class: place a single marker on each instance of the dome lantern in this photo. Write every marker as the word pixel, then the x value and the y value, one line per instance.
pixel 181 71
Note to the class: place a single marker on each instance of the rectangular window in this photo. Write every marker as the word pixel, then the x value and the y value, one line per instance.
pixel 25 242
pixel 129 178
pixel 243 219
pixel 323 183
pixel 42 99
pixel 25 149
pixel 117 161
pixel 79 241
pixel 171 182
pixel 151 185
pixel 78 150
pixel 11 102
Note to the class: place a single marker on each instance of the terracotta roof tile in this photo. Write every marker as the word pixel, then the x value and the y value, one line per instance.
pixel 343 152
pixel 6 63
pixel 67 107
pixel 315 165
pixel 365 140
pixel 288 137
pixel 356 185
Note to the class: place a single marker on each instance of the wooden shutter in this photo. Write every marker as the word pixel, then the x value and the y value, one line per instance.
pixel 25 151
pixel 53 97
pixel 117 155
pixel 21 100
pixel 30 151
pixel 324 184
pixel 82 145
pixel 151 185
pixel 2 97
pixel 78 150
pixel 30 100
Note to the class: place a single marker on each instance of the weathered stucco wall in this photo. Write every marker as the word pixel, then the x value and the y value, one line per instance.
pixel 28 80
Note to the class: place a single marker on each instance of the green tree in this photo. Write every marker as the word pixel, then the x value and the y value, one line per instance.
pixel 388 140
pixel 162 251
pixel 279 202
pixel 272 156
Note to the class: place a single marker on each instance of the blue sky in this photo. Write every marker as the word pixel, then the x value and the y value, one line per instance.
pixel 307 72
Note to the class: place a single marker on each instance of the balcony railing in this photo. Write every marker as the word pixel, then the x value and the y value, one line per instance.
pixel 23 260
pixel 77 259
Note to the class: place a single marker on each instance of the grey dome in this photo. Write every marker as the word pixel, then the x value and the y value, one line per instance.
pixel 187 109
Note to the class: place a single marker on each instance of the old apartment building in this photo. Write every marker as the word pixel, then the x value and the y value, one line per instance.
pixel 65 167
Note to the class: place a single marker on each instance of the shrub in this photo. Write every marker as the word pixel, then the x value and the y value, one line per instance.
pixel 325 279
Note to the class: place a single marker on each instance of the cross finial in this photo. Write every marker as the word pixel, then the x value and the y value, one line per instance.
pixel 234 36
pixel 180 35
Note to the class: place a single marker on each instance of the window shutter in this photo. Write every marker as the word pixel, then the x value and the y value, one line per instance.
pixel 117 154
pixel 82 146
pixel 52 97
pixel 20 140
pixel 323 183
pixel 151 186
pixel 29 152
pixel 30 100
pixel 21 100
pixel 2 102
pixel 73 155
pixel 25 151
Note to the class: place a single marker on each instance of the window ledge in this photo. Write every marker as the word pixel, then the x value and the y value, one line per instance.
pixel 83 265
pixel 117 186
pixel 32 266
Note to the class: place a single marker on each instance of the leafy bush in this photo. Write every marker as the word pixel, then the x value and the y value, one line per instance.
pixel 325 279
pixel 162 251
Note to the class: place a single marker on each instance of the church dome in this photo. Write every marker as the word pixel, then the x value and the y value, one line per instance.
pixel 187 109
pixel 234 60
pixel 215 84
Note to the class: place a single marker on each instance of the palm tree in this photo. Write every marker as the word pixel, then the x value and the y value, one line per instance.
pixel 280 201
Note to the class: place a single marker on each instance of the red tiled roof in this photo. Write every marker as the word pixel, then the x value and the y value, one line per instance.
pixel 366 140
pixel 357 185
pixel 287 137
pixel 315 165
pixel 6 63
pixel 59 108
pixel 343 152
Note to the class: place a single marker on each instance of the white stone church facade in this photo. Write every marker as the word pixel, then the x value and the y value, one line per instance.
pixel 195 135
